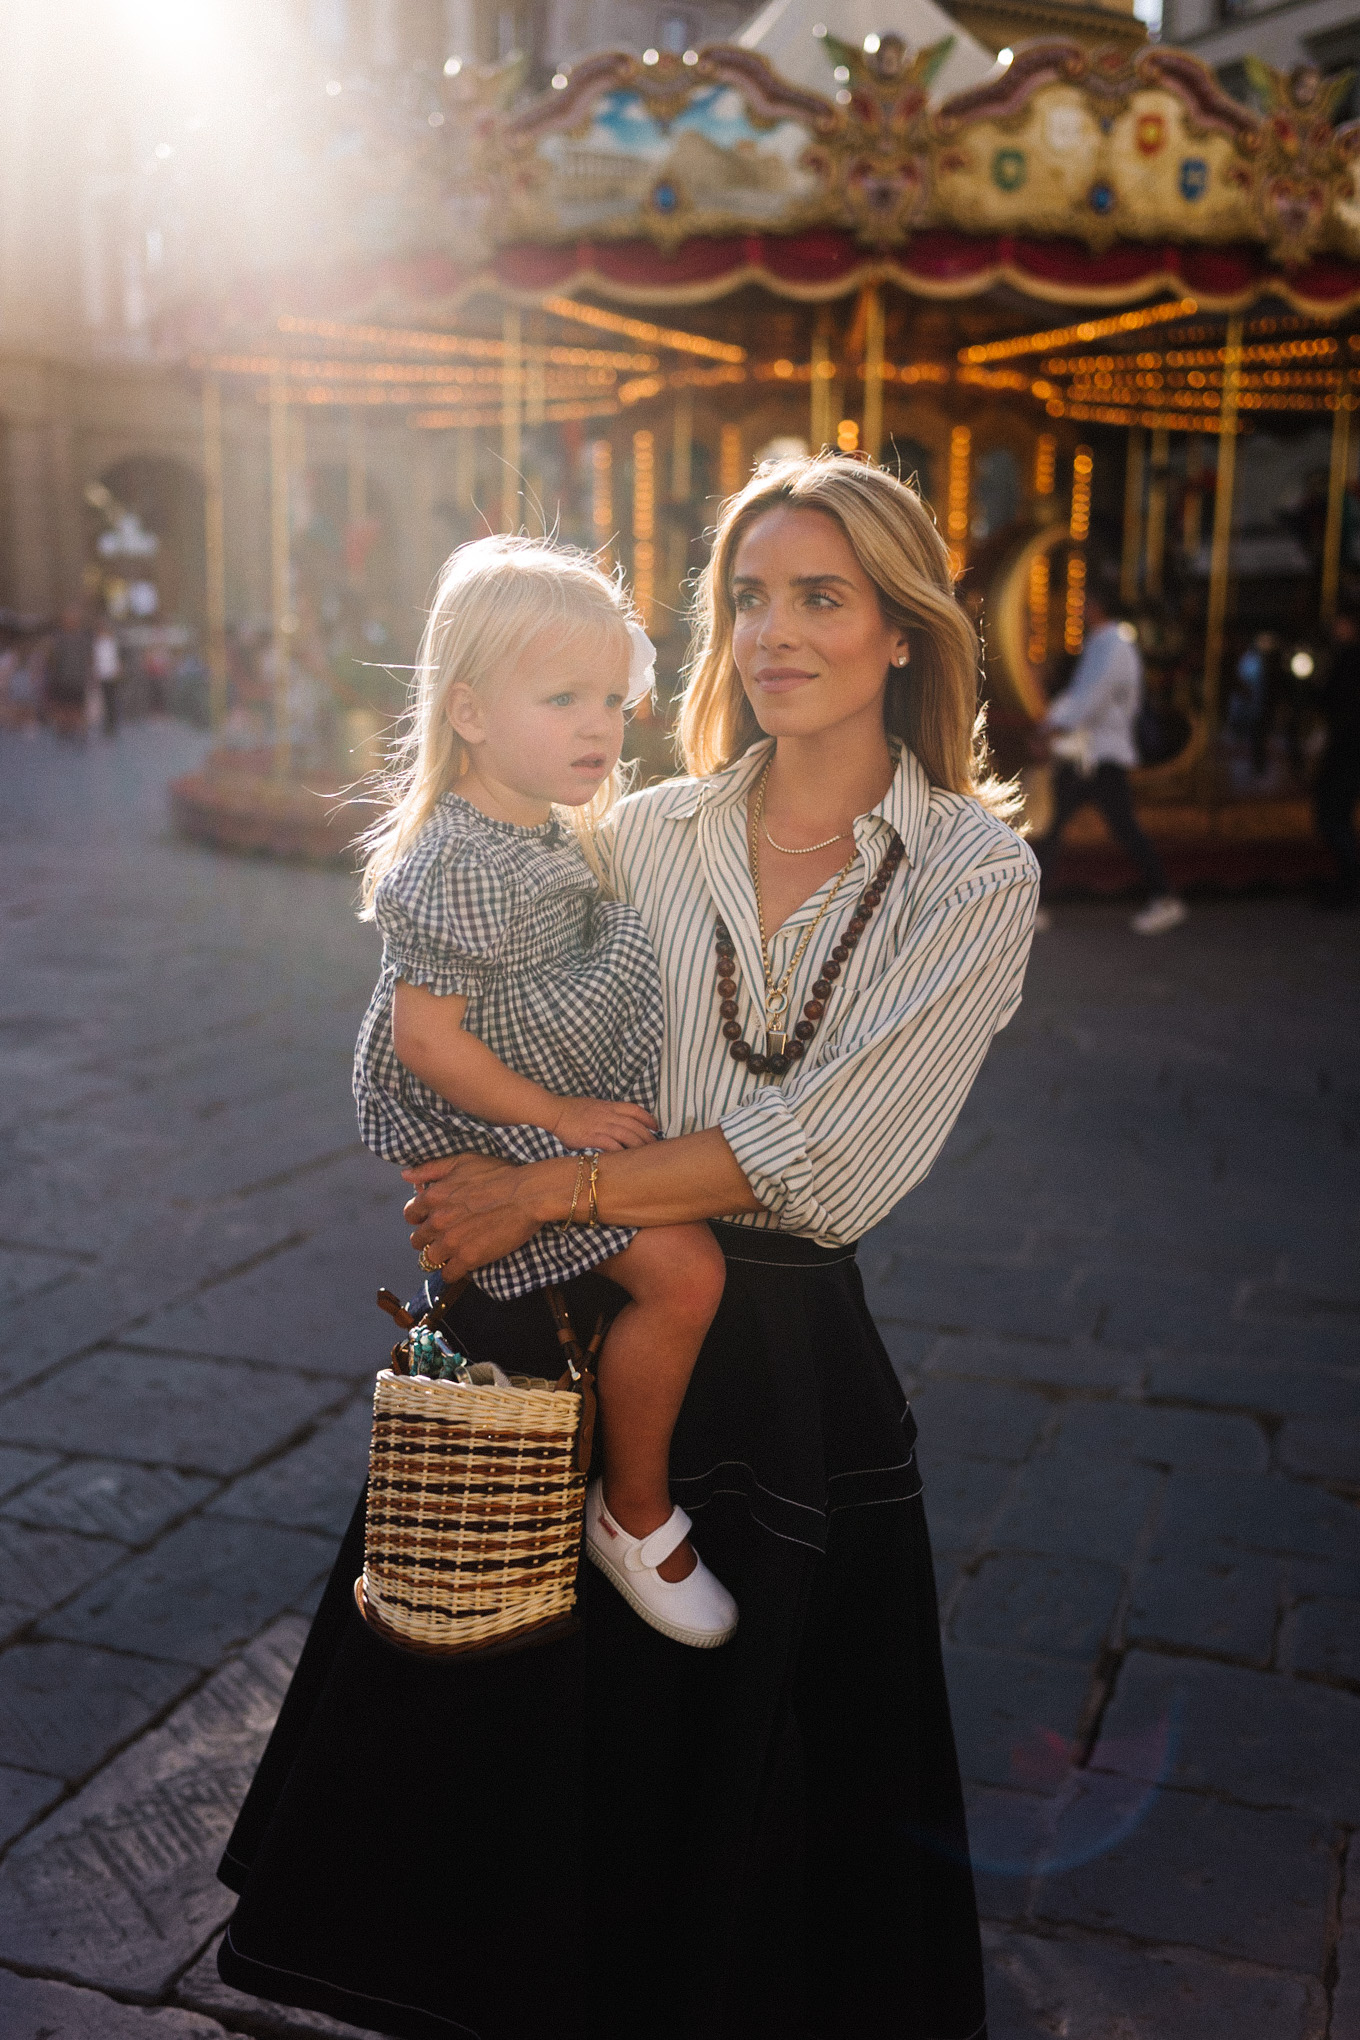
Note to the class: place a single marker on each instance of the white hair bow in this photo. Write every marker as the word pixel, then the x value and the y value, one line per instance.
pixel 641 665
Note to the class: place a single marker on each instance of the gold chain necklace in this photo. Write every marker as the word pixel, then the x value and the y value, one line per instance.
pixel 807 848
pixel 777 995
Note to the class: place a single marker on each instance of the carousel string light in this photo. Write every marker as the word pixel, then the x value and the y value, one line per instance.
pixel 673 337
pixel 1038 606
pixel 1086 329
pixel 554 414
pixel 472 346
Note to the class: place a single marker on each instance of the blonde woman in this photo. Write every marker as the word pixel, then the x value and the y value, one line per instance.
pixel 770 1837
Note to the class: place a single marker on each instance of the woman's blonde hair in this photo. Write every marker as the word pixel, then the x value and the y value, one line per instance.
pixel 494 598
pixel 931 703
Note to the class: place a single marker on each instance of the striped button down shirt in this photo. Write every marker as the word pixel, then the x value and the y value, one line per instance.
pixel 832 1147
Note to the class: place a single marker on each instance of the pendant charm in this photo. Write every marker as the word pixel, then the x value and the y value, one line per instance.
pixel 776 1044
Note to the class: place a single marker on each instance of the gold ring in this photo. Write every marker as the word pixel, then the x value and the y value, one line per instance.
pixel 430 1267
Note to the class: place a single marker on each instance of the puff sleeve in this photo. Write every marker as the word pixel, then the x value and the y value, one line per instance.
pixel 443 918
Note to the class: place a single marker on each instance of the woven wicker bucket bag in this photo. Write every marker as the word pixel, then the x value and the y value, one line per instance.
pixel 476 1498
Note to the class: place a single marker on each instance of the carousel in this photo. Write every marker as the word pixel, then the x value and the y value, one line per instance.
pixel 1092 303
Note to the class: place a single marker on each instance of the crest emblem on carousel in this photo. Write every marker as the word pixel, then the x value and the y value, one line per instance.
pixel 880 159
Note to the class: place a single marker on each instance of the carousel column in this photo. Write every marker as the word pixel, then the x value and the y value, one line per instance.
pixel 215 554
pixel 1156 513
pixel 1132 559
pixel 681 490
pixel 356 495
pixel 1336 505
pixel 465 473
pixel 644 525
pixel 821 419
pixel 511 441
pixel 731 473
pixel 1078 530
pixel 1220 554
pixel 535 412
pixel 873 373
pixel 280 567
pixel 958 509
pixel 602 495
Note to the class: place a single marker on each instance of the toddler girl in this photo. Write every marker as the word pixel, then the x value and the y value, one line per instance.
pixel 519 1011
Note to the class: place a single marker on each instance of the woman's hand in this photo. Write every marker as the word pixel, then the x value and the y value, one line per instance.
pixel 600 1123
pixel 468 1210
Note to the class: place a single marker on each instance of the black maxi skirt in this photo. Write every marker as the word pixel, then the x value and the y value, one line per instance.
pixel 609 1834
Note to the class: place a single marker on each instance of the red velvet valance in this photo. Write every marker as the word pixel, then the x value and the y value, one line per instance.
pixel 826 263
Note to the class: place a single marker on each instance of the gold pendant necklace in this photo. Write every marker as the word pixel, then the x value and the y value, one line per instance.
pixel 777 995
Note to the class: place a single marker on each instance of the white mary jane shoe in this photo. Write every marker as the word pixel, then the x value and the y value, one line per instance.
pixel 697 1610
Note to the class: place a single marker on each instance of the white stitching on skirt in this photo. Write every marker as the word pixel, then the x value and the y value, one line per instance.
pixel 454 2025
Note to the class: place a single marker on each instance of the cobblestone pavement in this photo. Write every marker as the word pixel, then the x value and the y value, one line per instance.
pixel 1126 1306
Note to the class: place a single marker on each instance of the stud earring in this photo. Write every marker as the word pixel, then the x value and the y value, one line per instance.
pixel 901 659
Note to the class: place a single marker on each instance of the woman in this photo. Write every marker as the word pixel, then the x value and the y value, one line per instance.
pixel 610 1835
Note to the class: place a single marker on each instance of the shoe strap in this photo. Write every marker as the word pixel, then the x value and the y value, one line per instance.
pixel 657 1548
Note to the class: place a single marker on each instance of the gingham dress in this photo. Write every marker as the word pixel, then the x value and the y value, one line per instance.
pixel 561 984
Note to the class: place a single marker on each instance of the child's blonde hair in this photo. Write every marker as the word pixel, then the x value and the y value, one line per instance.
pixel 494 598
pixel 931 704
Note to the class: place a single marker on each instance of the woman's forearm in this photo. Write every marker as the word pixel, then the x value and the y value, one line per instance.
pixel 696 1176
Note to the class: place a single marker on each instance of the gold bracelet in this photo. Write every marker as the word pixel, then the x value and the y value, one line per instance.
pixel 594 1218
pixel 570 1218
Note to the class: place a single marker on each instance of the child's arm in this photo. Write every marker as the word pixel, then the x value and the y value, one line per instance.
pixel 432 1043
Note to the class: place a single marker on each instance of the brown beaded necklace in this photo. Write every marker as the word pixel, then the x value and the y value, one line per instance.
pixel 782 1051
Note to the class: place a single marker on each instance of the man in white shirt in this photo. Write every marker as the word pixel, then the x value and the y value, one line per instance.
pixel 1090 727
pixel 108 672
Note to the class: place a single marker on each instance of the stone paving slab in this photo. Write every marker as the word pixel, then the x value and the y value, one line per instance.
pixel 63 1706
pixel 1346 1996
pixel 205 1589
pixel 1253 1885
pixel 1045 1303
pixel 962 1497
pixel 963 1421
pixel 1321 1451
pixel 1194 1440
pixel 1040 1363
pixel 1085 1989
pixel 178 1410
pixel 1224 1608
pixel 1257 1737
pixel 117 1886
pixel 315 1307
pixel 39 1568
pixel 18 1468
pixel 313 1487
pixel 31 2009
pixel 1007 1706
pixel 1085 1507
pixel 1323 1636
pixel 1303 1390
pixel 106 1497
pixel 1263 1513
pixel 23 1794
pixel 1055 1607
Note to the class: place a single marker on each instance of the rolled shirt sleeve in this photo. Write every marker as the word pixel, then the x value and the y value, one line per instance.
pixel 832 1151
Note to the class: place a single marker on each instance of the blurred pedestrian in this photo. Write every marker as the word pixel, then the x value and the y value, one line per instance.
pixel 70 676
pixel 1337 786
pixel 1090 731
pixel 108 673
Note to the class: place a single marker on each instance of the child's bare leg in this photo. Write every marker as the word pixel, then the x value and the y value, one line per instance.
pixel 674 1277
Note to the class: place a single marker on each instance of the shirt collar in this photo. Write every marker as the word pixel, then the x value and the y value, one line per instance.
pixel 903 807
